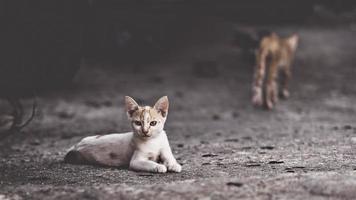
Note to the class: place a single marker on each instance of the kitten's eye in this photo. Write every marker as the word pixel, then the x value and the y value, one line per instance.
pixel 153 123
pixel 137 123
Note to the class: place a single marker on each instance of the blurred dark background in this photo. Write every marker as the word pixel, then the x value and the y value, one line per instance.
pixel 81 57
pixel 43 41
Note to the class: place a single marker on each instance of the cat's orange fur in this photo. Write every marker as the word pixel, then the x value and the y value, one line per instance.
pixel 280 53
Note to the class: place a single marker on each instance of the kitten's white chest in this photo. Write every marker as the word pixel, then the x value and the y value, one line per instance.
pixel 151 148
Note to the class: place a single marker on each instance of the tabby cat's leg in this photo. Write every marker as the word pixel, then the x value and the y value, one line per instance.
pixel 257 98
pixel 285 82
pixel 272 87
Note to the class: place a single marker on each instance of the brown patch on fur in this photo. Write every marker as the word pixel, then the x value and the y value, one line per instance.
pixel 152 157
pixel 163 113
pixel 131 112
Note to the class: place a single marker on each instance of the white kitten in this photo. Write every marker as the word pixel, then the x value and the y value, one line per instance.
pixel 145 149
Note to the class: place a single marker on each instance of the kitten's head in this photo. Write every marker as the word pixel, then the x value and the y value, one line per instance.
pixel 292 41
pixel 147 121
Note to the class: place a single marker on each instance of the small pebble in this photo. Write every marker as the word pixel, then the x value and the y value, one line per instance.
pixel 144 174
pixel 275 162
pixel 298 167
pixel 289 170
pixel 209 155
pixel 267 147
pixel 180 145
pixel 236 184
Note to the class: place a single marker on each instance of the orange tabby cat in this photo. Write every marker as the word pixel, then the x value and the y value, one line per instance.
pixel 280 53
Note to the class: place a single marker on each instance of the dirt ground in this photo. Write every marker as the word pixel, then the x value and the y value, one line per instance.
pixel 304 149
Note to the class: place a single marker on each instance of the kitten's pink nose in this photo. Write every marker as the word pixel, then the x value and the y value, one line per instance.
pixel 145 132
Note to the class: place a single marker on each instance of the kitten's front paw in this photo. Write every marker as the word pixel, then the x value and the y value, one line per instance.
pixel 161 169
pixel 174 167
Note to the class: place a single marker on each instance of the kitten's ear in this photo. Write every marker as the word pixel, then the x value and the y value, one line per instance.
pixel 293 41
pixel 130 105
pixel 162 106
